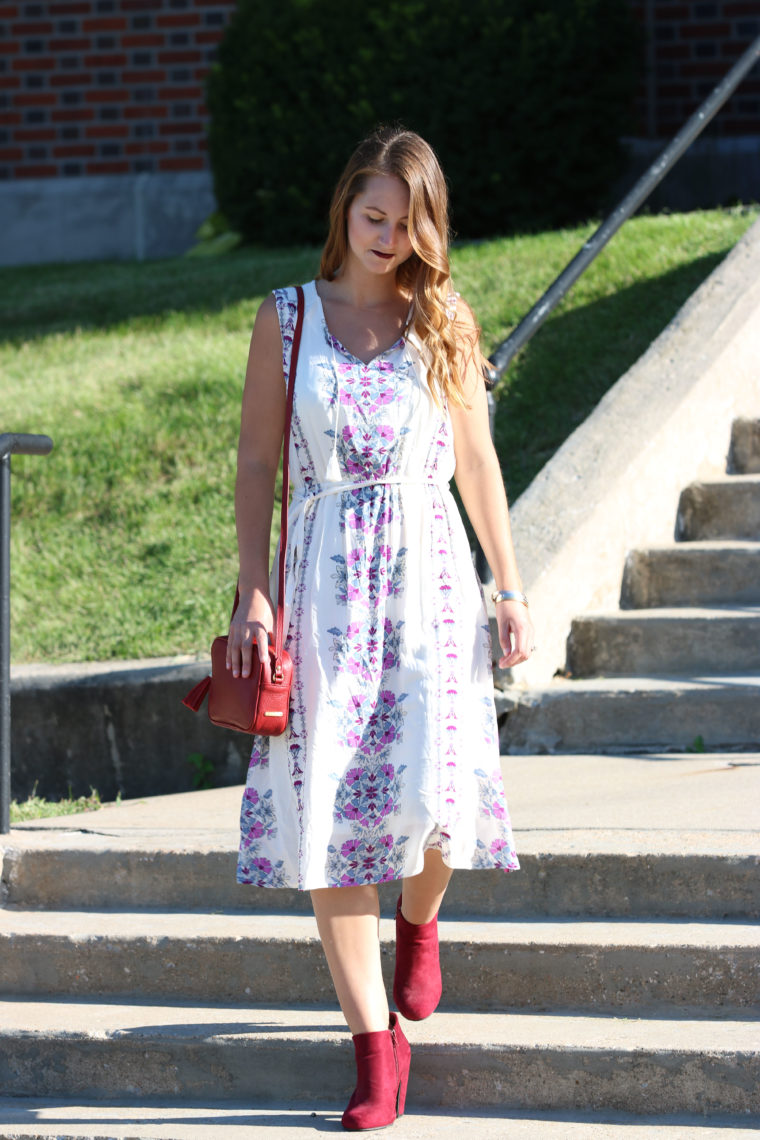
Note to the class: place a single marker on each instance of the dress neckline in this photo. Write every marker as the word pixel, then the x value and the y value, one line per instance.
pixel 332 338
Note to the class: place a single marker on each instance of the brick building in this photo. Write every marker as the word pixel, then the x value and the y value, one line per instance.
pixel 690 46
pixel 102 117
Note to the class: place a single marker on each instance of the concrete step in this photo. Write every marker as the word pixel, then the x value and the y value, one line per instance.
pixel 567 877
pixel 537 1061
pixel 35 1118
pixel 723 508
pixel 692 574
pixel 582 964
pixel 636 714
pixel 629 835
pixel 744 456
pixel 724 639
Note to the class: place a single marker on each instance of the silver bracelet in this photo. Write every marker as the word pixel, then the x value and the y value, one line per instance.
pixel 509 596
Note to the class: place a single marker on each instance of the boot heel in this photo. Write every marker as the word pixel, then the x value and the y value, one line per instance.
pixel 401 1094
pixel 403 1054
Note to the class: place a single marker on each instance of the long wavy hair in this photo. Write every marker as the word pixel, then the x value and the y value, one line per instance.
pixel 425 276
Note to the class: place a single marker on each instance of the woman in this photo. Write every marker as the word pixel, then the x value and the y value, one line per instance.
pixel 389 767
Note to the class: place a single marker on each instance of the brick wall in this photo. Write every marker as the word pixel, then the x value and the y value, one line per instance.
pixel 105 86
pixel 690 47
pixel 116 86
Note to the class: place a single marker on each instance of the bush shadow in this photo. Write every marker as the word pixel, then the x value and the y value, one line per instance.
pixel 37 300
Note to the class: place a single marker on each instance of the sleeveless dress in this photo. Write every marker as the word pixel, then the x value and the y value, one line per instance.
pixel 392 744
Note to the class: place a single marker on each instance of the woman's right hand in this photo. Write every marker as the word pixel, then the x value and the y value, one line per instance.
pixel 250 628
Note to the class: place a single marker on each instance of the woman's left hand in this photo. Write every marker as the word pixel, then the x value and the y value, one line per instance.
pixel 516 634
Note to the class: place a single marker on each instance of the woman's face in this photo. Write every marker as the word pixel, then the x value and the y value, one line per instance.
pixel 377 224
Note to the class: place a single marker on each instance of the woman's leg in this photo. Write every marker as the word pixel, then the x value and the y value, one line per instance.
pixel 422 894
pixel 348 919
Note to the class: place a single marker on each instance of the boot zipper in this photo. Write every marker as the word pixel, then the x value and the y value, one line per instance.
pixel 398 1072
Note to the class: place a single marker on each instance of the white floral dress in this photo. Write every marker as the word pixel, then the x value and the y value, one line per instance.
pixel 392 743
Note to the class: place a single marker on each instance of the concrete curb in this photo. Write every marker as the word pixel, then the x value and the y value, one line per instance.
pixel 657 712
pixel 615 483
pixel 99 216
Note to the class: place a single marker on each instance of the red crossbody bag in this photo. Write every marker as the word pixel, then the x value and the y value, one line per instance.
pixel 257 704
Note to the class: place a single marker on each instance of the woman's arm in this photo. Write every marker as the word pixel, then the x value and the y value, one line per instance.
pixel 481 487
pixel 262 425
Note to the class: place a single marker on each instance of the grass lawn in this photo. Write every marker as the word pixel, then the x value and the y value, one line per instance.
pixel 35 807
pixel 123 541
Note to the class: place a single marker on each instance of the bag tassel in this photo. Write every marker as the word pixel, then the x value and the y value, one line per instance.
pixel 196 696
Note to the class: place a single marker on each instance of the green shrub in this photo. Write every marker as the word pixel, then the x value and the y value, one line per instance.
pixel 524 101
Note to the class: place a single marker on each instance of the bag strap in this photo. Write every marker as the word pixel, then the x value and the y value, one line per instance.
pixel 280 616
pixel 279 632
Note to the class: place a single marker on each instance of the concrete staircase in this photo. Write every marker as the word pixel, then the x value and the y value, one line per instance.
pixel 678 666
pixel 607 990
pixel 607 987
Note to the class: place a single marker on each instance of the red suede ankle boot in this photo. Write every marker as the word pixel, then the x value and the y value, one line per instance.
pixel 417 981
pixel 382 1069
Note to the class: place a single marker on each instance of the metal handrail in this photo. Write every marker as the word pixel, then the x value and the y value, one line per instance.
pixel 502 357
pixel 11 443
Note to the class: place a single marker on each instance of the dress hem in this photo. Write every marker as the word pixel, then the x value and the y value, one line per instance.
pixel 376 882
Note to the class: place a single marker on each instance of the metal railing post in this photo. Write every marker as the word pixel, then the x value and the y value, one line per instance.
pixel 5 645
pixel 20 444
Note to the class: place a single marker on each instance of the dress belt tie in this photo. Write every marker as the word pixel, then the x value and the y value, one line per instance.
pixel 297 523
pixel 351 485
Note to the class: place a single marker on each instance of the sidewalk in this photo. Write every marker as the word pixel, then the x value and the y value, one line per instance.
pixel 34 1119
pixel 672 802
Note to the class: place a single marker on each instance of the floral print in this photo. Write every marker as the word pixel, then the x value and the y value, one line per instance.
pixel 363 648
pixel 392 743
pixel 258 825
pixel 361 862
pixel 367 795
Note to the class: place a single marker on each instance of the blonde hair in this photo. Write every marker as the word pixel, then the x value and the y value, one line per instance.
pixel 425 275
